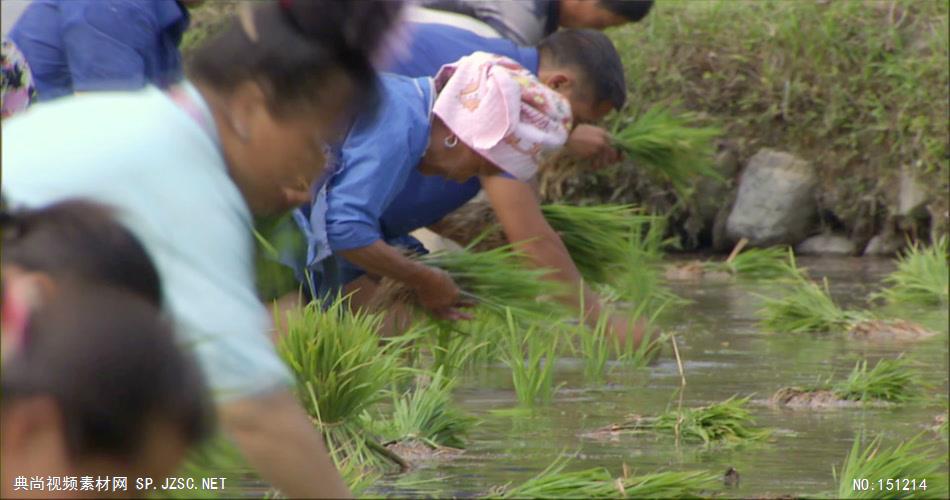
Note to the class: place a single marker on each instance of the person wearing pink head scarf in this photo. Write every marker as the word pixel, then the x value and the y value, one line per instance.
pixel 486 115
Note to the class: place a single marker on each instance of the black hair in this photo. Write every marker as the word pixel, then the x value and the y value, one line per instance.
pixel 595 56
pixel 291 47
pixel 632 10
pixel 79 240
pixel 110 362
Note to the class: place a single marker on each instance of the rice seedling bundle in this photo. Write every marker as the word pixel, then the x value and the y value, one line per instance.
pixel 916 459
pixel 807 308
pixel 669 147
pixel 922 276
pixel 341 369
pixel 727 422
pixel 601 238
pixel 762 263
pixel 427 413
pixel 890 380
pixel 597 482
pixel 530 354
pixel 497 279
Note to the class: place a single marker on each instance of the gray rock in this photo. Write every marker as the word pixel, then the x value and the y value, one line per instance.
pixel 912 196
pixel 826 244
pixel 775 202
pixel 887 242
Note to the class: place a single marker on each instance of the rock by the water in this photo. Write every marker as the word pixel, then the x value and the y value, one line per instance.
pixel 912 196
pixel 886 243
pixel 826 244
pixel 775 203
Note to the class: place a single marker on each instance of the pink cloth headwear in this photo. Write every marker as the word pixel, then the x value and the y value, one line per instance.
pixel 498 108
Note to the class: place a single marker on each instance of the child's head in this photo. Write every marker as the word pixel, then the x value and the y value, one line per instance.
pixel 73 240
pixel 601 14
pixel 584 67
pixel 96 386
pixel 283 78
pixel 492 114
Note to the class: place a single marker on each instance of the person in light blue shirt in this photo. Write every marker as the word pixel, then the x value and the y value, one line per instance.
pixel 185 169
pixel 87 45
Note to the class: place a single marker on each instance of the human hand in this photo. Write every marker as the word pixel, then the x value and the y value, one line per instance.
pixel 437 292
pixel 592 144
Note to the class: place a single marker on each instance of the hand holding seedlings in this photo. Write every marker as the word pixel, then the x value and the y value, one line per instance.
pixel 593 144
pixel 437 292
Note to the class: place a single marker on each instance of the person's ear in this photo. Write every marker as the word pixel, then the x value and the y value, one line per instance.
pixel 559 82
pixel 247 103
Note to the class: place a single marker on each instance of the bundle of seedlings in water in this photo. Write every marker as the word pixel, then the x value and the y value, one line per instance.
pixel 530 353
pixel 341 369
pixel 597 482
pixel 922 276
pixel 726 423
pixel 763 263
pixel 890 381
pixel 807 308
pixel 427 414
pixel 669 146
pixel 916 468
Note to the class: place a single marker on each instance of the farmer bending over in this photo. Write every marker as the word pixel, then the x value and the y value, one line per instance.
pixel 483 116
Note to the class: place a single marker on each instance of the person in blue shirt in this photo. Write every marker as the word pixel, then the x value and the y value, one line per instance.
pixel 87 45
pixel 582 65
pixel 469 120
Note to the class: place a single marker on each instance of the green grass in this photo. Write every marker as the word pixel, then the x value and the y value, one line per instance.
pixel 530 353
pixel 917 459
pixel 727 422
pixel 922 276
pixel 669 146
pixel 807 307
pixel 427 413
pixel 891 380
pixel 858 88
pixel 597 482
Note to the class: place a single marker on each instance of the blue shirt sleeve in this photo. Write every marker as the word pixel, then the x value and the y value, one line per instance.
pixel 105 42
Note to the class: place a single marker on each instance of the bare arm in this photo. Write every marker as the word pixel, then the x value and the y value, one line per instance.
pixel 434 288
pixel 278 439
pixel 518 210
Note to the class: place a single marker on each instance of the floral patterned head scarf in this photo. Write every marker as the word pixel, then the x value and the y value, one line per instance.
pixel 16 82
pixel 499 109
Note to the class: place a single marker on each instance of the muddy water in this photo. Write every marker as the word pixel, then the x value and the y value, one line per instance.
pixel 724 353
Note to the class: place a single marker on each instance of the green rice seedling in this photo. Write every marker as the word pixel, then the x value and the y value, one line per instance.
pixel 215 458
pixel 497 279
pixel 917 460
pixel 761 263
pixel 808 308
pixel 669 146
pixel 595 346
pixel 726 423
pixel 277 237
pixel 341 369
pixel 530 354
pixel 597 482
pixel 890 380
pixel 922 276
pixel 426 413
pixel 355 473
pixel 600 237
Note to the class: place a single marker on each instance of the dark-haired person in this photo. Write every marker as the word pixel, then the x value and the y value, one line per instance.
pixel 528 21
pixel 186 168
pixel 92 45
pixel 93 384
pixel 581 65
pixel 74 240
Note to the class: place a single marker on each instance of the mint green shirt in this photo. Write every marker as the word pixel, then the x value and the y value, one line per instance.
pixel 141 154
